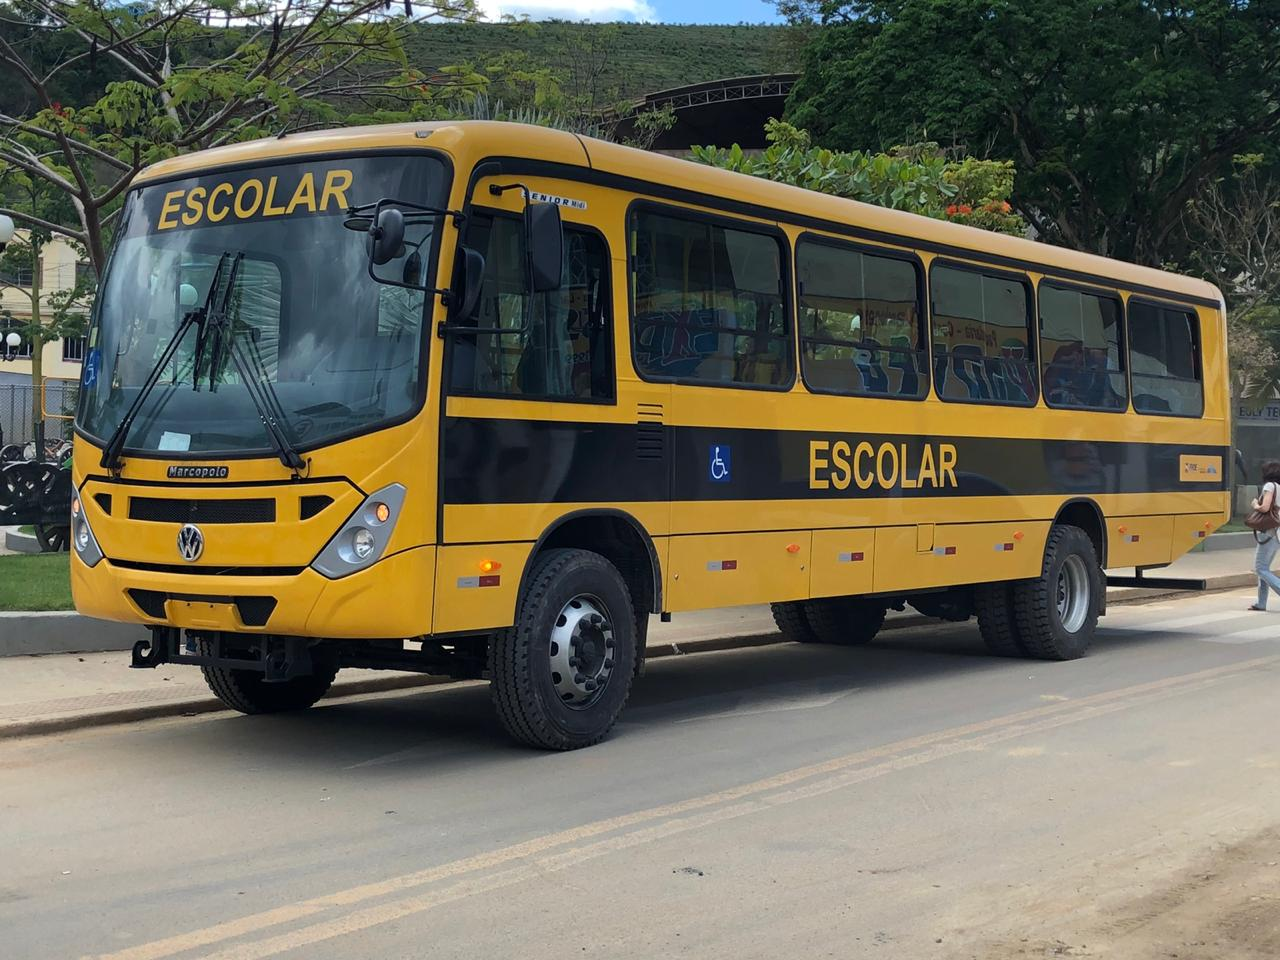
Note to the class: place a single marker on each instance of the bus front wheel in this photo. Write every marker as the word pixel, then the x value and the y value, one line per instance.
pixel 1057 612
pixel 248 692
pixel 562 673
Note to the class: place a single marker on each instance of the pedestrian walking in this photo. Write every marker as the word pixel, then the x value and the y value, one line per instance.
pixel 1264 521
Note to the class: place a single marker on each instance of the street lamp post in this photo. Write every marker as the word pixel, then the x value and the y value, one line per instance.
pixel 11 344
pixel 6 230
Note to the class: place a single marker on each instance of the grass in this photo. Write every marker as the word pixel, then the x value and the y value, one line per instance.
pixel 35 582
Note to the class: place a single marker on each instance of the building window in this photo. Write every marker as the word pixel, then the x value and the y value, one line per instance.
pixel 1082 349
pixel 73 349
pixel 708 303
pixel 982 340
pixel 85 277
pixel 860 322
pixel 21 277
pixel 1164 359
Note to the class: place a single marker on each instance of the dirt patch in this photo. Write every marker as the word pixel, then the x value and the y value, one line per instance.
pixel 1225 908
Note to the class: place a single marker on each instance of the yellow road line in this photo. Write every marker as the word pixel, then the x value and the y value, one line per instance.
pixel 681 816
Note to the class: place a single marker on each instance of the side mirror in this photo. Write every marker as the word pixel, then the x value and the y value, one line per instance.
pixel 386 236
pixel 544 239
pixel 470 282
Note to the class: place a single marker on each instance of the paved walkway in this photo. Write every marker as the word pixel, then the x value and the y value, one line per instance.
pixel 43 693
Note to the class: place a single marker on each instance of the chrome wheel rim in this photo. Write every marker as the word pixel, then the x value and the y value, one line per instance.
pixel 582 651
pixel 1072 594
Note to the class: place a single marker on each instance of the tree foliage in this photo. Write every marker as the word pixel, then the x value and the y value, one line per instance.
pixel 1116 112
pixel 165 77
pixel 918 179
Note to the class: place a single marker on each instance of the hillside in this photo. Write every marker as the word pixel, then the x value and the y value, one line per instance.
pixel 650 57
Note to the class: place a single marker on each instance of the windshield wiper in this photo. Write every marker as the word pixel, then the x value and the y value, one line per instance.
pixel 115 444
pixel 256 378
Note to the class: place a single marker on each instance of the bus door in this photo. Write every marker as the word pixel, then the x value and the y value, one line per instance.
pixel 530 429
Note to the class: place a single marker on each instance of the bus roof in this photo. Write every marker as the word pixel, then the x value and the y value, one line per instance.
pixel 477 139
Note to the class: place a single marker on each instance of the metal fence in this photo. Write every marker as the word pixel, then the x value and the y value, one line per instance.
pixel 15 410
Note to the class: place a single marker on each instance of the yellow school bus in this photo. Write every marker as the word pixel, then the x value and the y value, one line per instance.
pixel 479 399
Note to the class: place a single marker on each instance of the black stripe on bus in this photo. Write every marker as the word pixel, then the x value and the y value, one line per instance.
pixel 496 461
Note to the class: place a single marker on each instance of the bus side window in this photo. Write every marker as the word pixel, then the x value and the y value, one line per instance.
pixel 1081 349
pixel 560 347
pixel 983 346
pixel 860 329
pixel 708 304
pixel 1164 357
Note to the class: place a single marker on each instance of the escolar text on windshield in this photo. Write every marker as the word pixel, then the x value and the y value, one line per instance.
pixel 256 197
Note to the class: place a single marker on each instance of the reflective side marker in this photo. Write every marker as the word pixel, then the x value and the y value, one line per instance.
pixel 722 564
pixel 851 557
pixel 944 551
pixel 1003 547
pixel 1132 538
pixel 489 581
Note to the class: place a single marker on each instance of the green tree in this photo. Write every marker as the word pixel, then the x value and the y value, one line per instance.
pixel 183 75
pixel 1116 111
pixel 51 314
pixel 918 179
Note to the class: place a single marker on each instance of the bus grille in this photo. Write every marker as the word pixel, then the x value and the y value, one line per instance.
pixel 167 510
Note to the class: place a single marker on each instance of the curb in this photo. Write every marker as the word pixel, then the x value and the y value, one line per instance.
pixel 352 688
pixel 36 633
pixel 21 542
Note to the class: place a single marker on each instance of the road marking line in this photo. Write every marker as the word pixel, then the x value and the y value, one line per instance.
pixel 575 856
pixel 1198 621
pixel 1271 632
pixel 952 740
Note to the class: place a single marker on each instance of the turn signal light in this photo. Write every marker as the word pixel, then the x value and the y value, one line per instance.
pixel 75 507
pixel 382 512
pixel 793 548
pixel 1017 535
pixel 488 566
pixel 1123 529
pixel 1208 524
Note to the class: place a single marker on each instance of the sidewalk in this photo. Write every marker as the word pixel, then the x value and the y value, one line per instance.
pixel 43 694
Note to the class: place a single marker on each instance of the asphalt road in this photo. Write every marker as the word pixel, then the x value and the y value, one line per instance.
pixel 912 799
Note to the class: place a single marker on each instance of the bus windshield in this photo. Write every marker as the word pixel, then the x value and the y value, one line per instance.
pixel 343 353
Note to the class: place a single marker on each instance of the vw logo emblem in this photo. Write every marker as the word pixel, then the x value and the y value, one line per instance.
pixel 190 542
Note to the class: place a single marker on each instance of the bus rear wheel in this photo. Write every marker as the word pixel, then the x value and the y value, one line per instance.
pixel 792 622
pixel 997 622
pixel 562 673
pixel 847 621
pixel 1057 612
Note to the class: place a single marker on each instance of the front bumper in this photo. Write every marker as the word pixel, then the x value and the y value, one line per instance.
pixel 390 600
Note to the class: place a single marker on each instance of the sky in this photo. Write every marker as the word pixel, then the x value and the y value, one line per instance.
pixel 663 11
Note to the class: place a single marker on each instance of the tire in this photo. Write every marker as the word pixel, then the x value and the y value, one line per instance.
pixel 846 621
pixel 792 622
pixel 248 692
pixel 997 622
pixel 1057 613
pixel 569 597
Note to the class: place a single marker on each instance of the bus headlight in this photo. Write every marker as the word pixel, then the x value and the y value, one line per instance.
pixel 82 537
pixel 364 536
pixel 362 543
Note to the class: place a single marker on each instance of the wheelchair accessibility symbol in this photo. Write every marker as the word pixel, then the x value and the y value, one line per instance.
pixel 720 463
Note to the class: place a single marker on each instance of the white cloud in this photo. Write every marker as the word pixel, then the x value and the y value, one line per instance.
pixel 569 9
